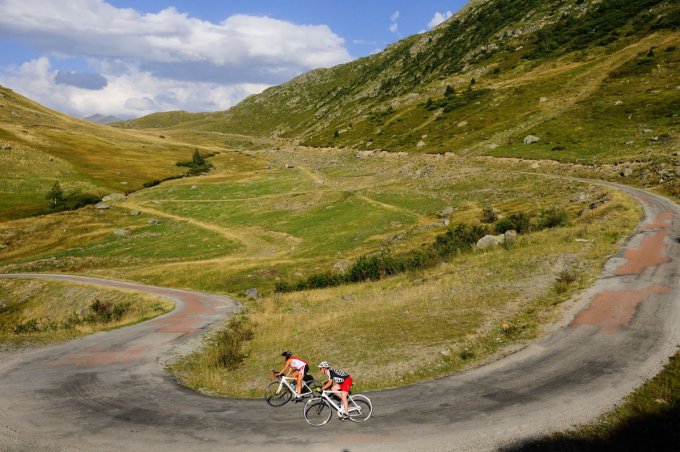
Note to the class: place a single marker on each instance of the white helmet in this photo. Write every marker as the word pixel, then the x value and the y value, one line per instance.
pixel 324 365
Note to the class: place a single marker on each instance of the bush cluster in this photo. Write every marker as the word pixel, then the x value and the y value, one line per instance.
pixel 197 165
pixel 57 201
pixel 458 239
pixel 227 352
pixel 98 312
pixel 376 266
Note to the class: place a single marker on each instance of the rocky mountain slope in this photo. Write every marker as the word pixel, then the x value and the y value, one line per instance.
pixel 564 71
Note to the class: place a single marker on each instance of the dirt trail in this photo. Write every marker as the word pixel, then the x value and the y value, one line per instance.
pixel 254 241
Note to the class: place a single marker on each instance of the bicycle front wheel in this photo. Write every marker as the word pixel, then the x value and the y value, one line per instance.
pixel 360 408
pixel 318 412
pixel 275 396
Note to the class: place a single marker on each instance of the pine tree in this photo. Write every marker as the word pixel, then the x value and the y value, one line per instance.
pixel 197 160
pixel 55 196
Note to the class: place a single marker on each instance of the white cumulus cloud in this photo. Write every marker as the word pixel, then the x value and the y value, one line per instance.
pixel 439 18
pixel 168 50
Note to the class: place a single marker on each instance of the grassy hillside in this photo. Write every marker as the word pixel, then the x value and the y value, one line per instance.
pixel 563 70
pixel 39 146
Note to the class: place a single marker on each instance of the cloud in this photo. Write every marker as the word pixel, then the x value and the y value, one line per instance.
pixel 130 93
pixel 394 26
pixel 85 80
pixel 439 18
pixel 168 48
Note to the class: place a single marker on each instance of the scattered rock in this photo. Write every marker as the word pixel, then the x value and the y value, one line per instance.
pixel 420 144
pixel 134 213
pixel 318 182
pixel 445 352
pixel 121 232
pixel 194 187
pixel 529 139
pixel 462 124
pixel 341 266
pixel 289 166
pixel 629 142
pixel 253 293
pixel 489 241
pixel 654 139
pixel 534 165
pixel 618 102
pixel 578 197
pixel 647 131
pixel 357 156
pixel 154 221
pixel 626 172
pixel 6 147
pixel 346 297
pixel 445 212
pixel 444 222
pixel 510 236
pixel 114 197
pixel 543 99
pixel 102 206
pixel 493 146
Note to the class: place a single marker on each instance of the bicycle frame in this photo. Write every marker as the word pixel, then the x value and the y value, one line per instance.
pixel 289 382
pixel 329 399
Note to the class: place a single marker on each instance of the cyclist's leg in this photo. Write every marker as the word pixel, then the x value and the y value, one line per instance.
pixel 345 387
pixel 298 381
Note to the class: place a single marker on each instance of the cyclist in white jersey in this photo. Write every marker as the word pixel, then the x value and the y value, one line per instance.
pixel 296 368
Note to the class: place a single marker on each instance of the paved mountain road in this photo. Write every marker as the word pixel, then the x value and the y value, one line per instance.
pixel 108 391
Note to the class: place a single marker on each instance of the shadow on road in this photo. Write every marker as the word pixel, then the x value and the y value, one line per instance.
pixel 656 432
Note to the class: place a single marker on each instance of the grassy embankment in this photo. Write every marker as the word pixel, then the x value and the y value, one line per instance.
pixel 38 311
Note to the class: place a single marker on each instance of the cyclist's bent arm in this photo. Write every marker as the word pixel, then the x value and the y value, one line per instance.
pixel 286 367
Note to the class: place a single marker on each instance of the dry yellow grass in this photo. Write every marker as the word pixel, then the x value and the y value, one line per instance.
pixel 55 307
pixel 425 324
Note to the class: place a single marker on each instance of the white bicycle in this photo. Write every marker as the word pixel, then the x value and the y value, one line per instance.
pixel 281 391
pixel 319 410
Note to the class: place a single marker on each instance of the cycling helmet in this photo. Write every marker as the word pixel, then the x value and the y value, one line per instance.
pixel 324 364
pixel 287 353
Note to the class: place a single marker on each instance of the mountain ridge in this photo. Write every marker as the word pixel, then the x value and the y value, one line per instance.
pixel 484 53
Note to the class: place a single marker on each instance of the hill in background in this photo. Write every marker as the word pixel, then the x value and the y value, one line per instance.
pixel 594 81
pixel 102 119
pixel 40 146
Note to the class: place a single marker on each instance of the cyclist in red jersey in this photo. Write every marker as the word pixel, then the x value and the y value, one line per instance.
pixel 296 368
pixel 338 380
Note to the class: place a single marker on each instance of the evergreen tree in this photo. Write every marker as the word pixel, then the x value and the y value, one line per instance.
pixel 197 160
pixel 55 196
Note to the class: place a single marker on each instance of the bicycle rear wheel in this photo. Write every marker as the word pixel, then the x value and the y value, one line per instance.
pixel 275 396
pixel 360 408
pixel 318 412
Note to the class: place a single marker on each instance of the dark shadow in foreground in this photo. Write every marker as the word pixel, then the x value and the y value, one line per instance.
pixel 655 432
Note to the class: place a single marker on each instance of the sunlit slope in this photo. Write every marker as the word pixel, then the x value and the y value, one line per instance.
pixel 586 77
pixel 39 146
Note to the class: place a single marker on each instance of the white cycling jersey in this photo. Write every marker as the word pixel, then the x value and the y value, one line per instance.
pixel 298 364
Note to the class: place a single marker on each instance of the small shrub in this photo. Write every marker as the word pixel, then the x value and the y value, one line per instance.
pixel 519 222
pixel 228 343
pixel 553 218
pixel 564 280
pixel 489 215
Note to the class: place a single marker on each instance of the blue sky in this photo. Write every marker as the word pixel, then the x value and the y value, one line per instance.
pixel 131 58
